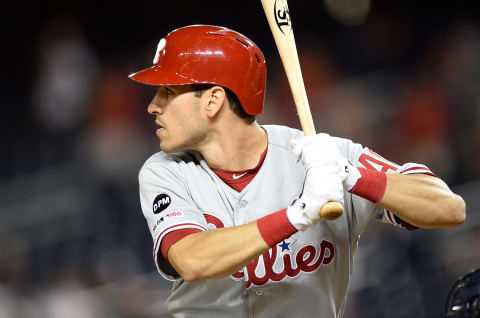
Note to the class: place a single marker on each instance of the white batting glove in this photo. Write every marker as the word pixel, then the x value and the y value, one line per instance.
pixel 349 173
pixel 320 156
pixel 322 184
pixel 320 148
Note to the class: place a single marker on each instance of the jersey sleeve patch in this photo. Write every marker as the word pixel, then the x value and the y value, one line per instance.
pixel 160 203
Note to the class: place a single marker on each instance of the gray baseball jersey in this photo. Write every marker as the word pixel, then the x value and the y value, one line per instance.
pixel 306 275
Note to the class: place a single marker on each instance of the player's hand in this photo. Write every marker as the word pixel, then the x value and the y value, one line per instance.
pixel 318 149
pixel 320 156
pixel 322 184
pixel 349 173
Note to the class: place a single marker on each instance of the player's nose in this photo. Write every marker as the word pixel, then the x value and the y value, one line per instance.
pixel 154 108
pixel 157 104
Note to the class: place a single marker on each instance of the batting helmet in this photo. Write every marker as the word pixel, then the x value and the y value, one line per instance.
pixel 205 54
pixel 464 297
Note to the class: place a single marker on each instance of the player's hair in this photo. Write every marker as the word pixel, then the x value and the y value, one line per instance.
pixel 233 101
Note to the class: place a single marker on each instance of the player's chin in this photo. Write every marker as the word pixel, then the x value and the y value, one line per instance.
pixel 169 147
pixel 164 147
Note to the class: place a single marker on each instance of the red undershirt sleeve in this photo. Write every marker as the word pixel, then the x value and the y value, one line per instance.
pixel 173 237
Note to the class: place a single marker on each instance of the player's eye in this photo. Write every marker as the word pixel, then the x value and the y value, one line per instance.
pixel 165 91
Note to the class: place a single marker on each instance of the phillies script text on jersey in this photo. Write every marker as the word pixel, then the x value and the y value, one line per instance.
pixel 306 260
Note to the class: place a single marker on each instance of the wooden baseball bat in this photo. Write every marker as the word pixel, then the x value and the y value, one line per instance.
pixel 278 17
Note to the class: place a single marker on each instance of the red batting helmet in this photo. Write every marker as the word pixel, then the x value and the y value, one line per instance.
pixel 205 54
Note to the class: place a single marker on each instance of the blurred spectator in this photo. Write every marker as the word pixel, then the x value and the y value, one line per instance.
pixel 67 296
pixel 115 142
pixel 455 62
pixel 424 126
pixel 319 74
pixel 347 111
pixel 124 286
pixel 66 77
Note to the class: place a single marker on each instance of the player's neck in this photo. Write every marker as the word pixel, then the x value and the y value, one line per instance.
pixel 236 147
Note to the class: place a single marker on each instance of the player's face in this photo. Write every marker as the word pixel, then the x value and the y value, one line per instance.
pixel 178 113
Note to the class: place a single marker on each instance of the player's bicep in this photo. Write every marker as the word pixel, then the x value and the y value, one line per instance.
pixel 168 242
pixel 167 208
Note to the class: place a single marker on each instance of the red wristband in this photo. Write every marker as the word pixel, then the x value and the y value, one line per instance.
pixel 371 185
pixel 275 227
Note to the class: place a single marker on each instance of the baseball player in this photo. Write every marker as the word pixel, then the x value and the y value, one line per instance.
pixel 233 207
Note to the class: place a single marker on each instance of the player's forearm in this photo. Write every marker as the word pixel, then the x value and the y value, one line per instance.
pixel 423 201
pixel 216 253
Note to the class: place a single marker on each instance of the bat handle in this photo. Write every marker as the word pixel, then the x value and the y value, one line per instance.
pixel 331 210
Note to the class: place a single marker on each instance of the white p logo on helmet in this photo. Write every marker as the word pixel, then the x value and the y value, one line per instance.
pixel 160 47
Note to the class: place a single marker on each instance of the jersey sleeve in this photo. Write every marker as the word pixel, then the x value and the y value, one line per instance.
pixel 364 210
pixel 167 207
pixel 371 160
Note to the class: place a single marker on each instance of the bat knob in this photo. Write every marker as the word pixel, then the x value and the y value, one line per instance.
pixel 331 210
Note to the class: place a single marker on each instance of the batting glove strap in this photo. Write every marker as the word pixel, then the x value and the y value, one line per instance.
pixel 349 173
pixel 298 217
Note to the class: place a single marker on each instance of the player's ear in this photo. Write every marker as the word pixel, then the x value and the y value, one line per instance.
pixel 216 98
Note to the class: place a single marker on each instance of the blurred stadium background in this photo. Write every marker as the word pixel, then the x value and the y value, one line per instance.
pixel 400 77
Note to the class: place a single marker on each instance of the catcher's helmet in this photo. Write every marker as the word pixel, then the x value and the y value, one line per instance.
pixel 205 54
pixel 464 297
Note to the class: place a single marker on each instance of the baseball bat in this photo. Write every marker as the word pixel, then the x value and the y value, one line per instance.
pixel 278 17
